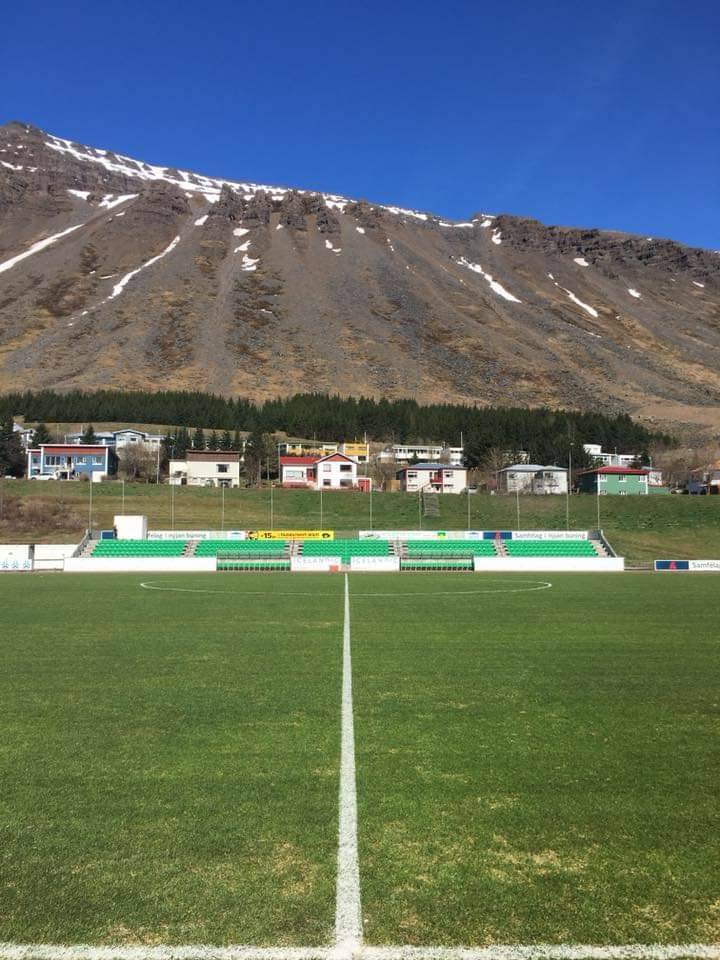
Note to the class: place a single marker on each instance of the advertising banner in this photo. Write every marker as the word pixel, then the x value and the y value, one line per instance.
pixel 291 534
pixel 315 564
pixel 197 534
pixel 420 534
pixel 688 566
pixel 378 564
pixel 549 535
pixel 14 565
pixel 14 557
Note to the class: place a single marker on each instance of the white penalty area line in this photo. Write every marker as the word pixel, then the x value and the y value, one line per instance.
pixel 348 912
pixel 539 951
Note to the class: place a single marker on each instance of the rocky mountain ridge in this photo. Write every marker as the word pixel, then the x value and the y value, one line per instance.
pixel 115 272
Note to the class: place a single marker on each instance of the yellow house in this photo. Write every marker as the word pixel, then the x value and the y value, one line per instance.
pixel 359 452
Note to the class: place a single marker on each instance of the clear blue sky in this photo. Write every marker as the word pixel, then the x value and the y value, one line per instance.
pixel 593 114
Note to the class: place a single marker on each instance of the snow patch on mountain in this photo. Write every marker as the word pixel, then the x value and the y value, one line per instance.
pixel 581 261
pixel 634 293
pixel 586 307
pixel 110 200
pixel 496 237
pixel 37 247
pixel 494 285
pixel 201 221
pixel 121 284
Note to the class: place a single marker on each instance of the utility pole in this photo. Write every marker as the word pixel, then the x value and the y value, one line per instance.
pixel 90 506
pixel 172 507
pixel 517 503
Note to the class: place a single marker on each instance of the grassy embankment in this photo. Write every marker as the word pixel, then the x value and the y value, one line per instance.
pixel 640 528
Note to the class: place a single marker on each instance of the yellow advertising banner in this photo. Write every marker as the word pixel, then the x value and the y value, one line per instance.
pixel 291 534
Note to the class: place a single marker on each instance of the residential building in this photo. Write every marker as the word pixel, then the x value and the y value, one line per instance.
pixel 356 450
pixel 118 439
pixel 533 478
pixel 53 461
pixel 26 435
pixel 619 481
pixel 605 459
pixel 206 468
pixel 332 472
pixel 705 479
pixel 103 438
pixel 423 452
pixel 433 478
pixel 306 448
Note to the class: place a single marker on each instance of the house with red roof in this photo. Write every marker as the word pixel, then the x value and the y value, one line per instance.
pixel 334 471
pixel 619 481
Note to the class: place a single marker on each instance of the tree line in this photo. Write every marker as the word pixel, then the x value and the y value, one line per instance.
pixel 546 435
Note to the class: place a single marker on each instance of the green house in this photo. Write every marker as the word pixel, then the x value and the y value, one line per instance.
pixel 620 481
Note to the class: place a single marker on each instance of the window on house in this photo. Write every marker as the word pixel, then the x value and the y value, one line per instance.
pixel 326 483
pixel 222 468
pixel 345 467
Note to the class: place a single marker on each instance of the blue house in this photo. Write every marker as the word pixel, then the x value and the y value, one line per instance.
pixel 55 461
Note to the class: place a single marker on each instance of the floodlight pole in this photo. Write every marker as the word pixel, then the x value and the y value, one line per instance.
pixel 468 506
pixel 419 508
pixel 123 497
pixel 321 505
pixel 222 509
pixel 597 487
pixel 517 504
pixel 172 507
pixel 371 504
pixel 90 507
pixel 567 490
pixel 272 507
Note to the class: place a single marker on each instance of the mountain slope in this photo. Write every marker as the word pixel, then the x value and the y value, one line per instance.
pixel 114 272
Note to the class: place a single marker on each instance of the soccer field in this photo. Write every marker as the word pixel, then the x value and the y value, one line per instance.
pixel 533 761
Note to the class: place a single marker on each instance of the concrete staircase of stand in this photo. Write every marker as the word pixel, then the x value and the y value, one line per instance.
pixel 88 548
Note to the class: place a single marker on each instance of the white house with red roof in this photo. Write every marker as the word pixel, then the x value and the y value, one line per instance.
pixel 334 471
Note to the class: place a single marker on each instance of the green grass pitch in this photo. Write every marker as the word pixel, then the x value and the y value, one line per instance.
pixel 533 765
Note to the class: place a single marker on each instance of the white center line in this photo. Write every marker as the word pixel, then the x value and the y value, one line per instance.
pixel 348 912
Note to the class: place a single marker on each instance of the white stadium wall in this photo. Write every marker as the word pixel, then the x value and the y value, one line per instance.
pixel 549 564
pixel 52 556
pixel 139 564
